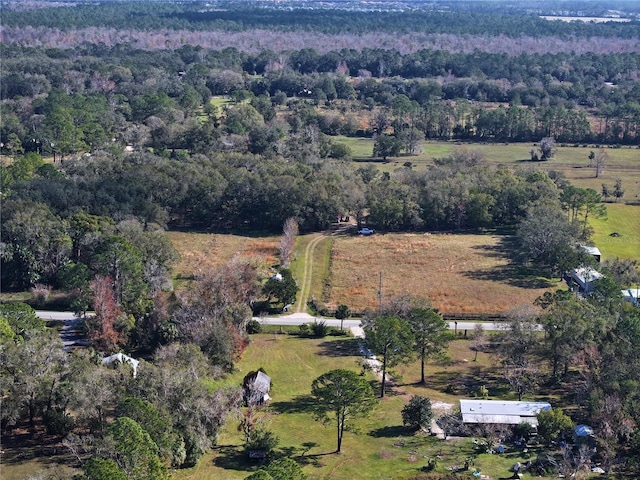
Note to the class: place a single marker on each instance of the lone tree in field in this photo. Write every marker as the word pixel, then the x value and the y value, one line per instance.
pixel 599 161
pixel 390 337
pixel 387 146
pixel 618 192
pixel 477 339
pixel 429 330
pixel 341 395
pixel 547 148
pixel 417 413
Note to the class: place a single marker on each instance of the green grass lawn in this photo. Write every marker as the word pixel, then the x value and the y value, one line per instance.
pixel 379 447
pixel 618 234
pixel 622 163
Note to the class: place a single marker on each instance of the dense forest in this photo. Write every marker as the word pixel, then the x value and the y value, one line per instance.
pixel 120 120
pixel 204 138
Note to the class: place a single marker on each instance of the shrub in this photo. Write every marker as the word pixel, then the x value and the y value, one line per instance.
pixel 58 423
pixel 193 452
pixel 261 439
pixel 417 413
pixel 483 392
pixel 336 332
pixel 522 431
pixel 285 469
pixel 320 329
pixel 254 326
pixel 41 293
pixel 304 329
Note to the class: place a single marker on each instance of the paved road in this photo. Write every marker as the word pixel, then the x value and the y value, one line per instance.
pixel 71 332
pixel 300 318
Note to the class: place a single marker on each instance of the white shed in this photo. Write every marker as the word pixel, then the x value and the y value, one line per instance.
pixel 593 251
pixel 501 411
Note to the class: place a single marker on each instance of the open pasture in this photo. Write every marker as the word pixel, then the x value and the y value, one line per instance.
pixel 618 234
pixel 462 273
pixel 573 162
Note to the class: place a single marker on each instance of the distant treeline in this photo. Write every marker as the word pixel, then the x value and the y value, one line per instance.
pixel 234 17
pixel 68 101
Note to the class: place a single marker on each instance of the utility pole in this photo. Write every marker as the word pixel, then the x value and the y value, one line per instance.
pixel 380 295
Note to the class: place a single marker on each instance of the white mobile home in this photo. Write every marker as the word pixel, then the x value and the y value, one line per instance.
pixel 501 411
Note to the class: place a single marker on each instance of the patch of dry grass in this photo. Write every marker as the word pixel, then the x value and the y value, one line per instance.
pixel 201 251
pixel 458 273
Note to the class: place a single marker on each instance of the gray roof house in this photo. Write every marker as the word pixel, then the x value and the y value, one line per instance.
pixel 585 277
pixel 256 387
pixel 501 411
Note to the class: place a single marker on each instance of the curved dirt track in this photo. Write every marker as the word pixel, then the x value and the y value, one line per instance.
pixel 307 274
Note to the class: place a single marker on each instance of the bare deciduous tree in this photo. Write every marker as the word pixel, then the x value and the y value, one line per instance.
pixel 599 161
pixel 477 340
pixel 517 345
pixel 288 242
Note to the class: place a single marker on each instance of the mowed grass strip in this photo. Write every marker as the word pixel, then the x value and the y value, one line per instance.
pixel 457 273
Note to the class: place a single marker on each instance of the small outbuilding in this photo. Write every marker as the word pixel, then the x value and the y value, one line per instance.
pixel 593 251
pixel 502 412
pixel 256 387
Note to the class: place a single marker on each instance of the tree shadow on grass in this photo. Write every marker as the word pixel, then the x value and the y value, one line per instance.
pixel 299 404
pixel 300 454
pixel 21 445
pixel 340 348
pixel 513 273
pixel 392 431
pixel 459 383
pixel 233 457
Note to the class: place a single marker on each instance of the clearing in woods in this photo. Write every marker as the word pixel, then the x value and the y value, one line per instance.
pixel 462 273
pixel 459 273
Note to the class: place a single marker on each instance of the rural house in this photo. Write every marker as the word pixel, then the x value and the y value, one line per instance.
pixel 502 412
pixel 584 278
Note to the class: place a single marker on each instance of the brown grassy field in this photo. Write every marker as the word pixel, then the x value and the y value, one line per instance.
pixel 458 273
pixel 199 251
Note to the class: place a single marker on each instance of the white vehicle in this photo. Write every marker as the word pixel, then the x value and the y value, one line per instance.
pixel 366 231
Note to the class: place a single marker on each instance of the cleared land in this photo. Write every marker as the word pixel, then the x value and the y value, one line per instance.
pixel 458 273
pixel 380 447
pixel 618 234
pixel 622 163
pixel 200 251
pixel 465 273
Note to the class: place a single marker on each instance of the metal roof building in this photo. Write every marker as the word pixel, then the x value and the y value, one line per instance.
pixel 585 277
pixel 501 411
pixel 593 251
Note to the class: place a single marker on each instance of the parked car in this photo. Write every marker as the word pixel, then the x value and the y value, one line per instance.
pixel 366 231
